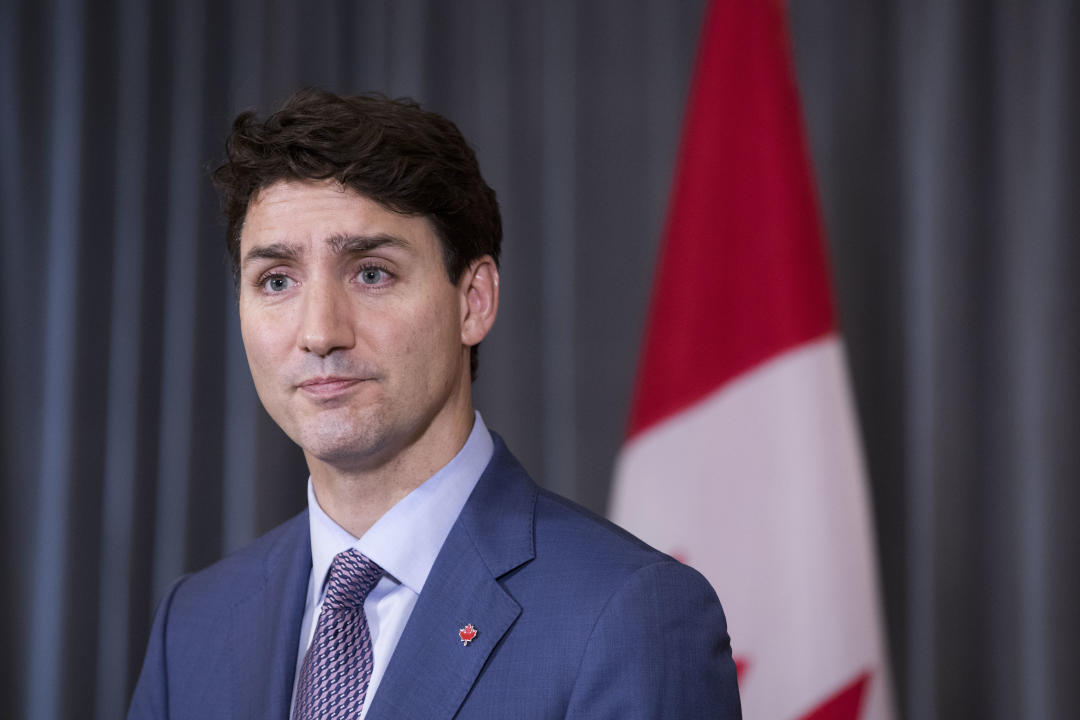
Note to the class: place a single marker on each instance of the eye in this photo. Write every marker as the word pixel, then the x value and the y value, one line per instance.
pixel 373 275
pixel 277 283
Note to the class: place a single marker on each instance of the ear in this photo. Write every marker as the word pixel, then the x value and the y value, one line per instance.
pixel 479 288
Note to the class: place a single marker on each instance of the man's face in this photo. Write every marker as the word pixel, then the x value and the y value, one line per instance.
pixel 353 330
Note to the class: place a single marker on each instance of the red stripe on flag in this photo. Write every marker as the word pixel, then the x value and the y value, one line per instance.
pixel 742 273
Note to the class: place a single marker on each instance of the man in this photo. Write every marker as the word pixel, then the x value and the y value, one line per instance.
pixel 429 577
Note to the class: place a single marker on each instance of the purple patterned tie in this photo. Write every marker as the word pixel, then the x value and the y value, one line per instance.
pixel 337 667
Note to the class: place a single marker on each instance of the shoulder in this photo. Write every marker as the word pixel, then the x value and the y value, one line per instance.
pixel 612 626
pixel 563 524
pixel 248 569
pixel 558 518
pixel 203 629
pixel 547 539
pixel 657 642
pixel 603 560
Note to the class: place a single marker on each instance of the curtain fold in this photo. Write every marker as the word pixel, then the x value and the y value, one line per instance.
pixel 946 162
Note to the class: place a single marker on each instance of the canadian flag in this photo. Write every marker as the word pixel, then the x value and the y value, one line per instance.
pixel 743 454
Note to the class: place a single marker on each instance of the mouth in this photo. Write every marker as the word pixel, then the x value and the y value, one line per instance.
pixel 329 386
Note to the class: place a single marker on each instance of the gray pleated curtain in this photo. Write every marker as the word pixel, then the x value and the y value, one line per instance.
pixel 134 449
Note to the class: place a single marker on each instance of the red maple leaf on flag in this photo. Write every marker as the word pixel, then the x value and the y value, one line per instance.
pixel 844 704
pixel 742 664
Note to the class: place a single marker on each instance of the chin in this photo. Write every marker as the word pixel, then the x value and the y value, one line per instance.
pixel 344 447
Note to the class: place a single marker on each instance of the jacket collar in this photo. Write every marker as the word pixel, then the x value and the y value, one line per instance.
pixel 432 671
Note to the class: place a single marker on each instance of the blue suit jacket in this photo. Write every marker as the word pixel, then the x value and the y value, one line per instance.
pixel 575 618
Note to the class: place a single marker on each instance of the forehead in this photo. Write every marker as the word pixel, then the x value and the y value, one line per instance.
pixel 302 212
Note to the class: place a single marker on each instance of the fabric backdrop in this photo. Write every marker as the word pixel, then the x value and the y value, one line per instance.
pixel 134 449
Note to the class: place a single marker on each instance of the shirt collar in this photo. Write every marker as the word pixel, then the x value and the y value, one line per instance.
pixel 406 540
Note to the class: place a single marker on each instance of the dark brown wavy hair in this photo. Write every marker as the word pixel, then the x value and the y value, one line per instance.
pixel 392 151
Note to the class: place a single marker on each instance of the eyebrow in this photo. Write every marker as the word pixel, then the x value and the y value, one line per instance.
pixel 339 244
pixel 356 244
pixel 273 251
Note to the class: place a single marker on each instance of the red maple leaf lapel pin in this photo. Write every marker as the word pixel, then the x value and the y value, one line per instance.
pixel 466 634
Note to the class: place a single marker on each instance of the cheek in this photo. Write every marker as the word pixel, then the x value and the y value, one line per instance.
pixel 440 328
pixel 424 340
pixel 421 326
pixel 262 341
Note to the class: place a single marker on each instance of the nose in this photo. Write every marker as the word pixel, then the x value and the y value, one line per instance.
pixel 326 321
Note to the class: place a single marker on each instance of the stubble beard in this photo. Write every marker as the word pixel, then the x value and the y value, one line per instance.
pixel 348 439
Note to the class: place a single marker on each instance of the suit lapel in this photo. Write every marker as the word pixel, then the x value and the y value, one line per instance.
pixel 266 628
pixel 432 672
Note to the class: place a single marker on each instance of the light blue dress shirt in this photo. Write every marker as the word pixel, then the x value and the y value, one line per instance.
pixel 404 542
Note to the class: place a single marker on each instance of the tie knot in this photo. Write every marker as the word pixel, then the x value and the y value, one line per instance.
pixel 352 576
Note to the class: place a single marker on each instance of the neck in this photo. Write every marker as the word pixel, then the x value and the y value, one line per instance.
pixel 356 497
